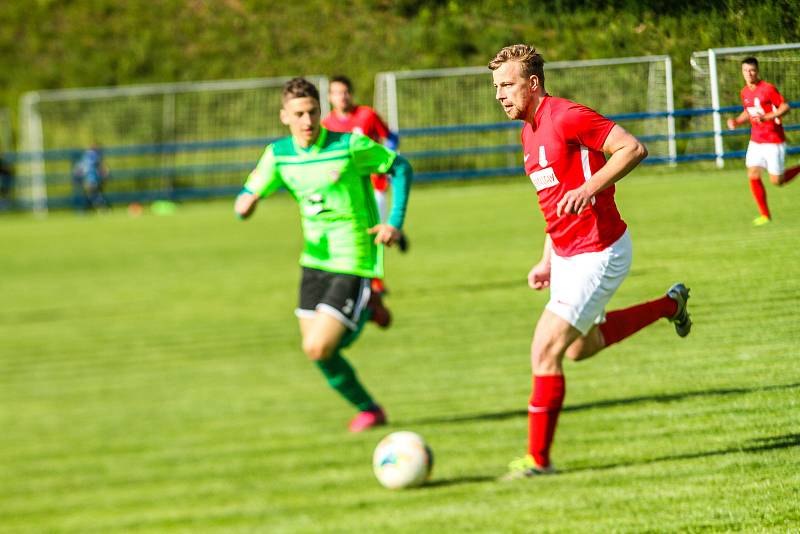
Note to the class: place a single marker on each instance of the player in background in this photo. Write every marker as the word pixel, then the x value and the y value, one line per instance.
pixel 763 108
pixel 91 175
pixel 587 251
pixel 328 174
pixel 346 116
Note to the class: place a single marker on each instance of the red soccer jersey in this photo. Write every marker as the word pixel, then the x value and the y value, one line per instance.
pixel 562 151
pixel 363 121
pixel 757 102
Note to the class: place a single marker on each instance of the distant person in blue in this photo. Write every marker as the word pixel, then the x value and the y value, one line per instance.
pixel 6 185
pixel 90 176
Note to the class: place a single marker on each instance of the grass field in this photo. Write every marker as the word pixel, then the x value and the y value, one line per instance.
pixel 151 378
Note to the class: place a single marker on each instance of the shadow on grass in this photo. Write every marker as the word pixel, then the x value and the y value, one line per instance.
pixel 609 403
pixel 756 445
pixel 771 443
pixel 477 287
pixel 457 481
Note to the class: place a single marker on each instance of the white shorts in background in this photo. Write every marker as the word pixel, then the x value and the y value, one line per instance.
pixel 582 285
pixel 768 156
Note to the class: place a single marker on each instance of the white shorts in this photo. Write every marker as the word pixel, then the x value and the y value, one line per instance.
pixel 582 285
pixel 768 156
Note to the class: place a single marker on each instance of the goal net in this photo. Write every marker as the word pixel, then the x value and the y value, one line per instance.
pixel 451 125
pixel 6 144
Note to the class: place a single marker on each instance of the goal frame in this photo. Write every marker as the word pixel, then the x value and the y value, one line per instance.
pixel 712 55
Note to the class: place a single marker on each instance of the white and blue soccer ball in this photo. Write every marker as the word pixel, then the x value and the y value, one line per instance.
pixel 402 460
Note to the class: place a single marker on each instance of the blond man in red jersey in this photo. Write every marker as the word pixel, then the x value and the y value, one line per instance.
pixel 587 252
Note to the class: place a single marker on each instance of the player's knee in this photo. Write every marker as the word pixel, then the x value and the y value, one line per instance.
pixel 542 351
pixel 776 180
pixel 586 346
pixel 575 351
pixel 316 349
pixel 546 357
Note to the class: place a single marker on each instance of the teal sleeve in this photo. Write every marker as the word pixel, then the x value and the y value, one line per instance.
pixel 370 157
pixel 401 186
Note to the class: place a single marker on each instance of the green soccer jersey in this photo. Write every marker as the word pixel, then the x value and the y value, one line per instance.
pixel 330 181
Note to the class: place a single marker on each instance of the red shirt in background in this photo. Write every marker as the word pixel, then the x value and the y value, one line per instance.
pixel 757 102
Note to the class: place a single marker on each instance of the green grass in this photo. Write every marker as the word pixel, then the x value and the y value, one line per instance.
pixel 151 378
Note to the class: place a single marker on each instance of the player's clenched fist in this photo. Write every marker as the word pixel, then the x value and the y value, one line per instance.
pixel 539 276
pixel 573 201
pixel 385 234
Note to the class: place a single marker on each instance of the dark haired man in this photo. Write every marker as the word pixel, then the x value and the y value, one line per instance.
pixel 763 108
pixel 328 174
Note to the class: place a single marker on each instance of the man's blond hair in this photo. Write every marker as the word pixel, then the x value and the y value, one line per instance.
pixel 531 61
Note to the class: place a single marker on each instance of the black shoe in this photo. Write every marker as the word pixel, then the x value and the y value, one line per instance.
pixel 683 323
pixel 402 243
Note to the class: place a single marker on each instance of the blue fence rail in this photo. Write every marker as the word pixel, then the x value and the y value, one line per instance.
pixel 242 167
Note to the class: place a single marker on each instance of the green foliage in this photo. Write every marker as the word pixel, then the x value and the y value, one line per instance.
pixel 152 379
pixel 49 44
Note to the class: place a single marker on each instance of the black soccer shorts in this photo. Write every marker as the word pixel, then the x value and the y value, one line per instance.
pixel 344 296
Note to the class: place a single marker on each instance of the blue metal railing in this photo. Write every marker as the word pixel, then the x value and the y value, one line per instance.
pixel 177 171
pixel 196 146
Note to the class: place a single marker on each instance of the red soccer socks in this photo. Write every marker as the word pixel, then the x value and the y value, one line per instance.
pixel 545 405
pixel 623 323
pixel 790 174
pixel 760 196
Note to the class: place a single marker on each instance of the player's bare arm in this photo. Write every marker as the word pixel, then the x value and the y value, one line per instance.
pixel 539 275
pixel 245 204
pixel 740 119
pixel 626 152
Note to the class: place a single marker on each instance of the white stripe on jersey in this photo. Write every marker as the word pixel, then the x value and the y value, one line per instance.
pixel 587 170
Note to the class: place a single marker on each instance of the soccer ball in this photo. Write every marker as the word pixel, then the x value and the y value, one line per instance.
pixel 402 460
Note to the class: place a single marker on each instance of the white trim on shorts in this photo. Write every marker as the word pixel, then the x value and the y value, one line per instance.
pixel 582 285
pixel 770 156
pixel 336 314
pixel 304 314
